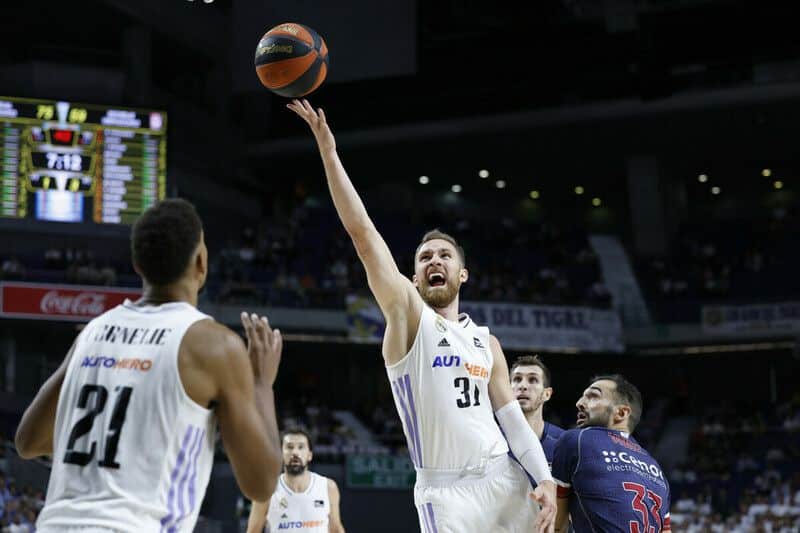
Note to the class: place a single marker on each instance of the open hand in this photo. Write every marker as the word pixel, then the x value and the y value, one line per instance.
pixel 545 496
pixel 316 121
pixel 264 346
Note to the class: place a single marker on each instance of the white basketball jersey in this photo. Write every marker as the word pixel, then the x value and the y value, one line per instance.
pixel 131 451
pixel 306 511
pixel 441 390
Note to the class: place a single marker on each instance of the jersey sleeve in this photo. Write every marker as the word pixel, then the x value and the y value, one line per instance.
pixel 565 461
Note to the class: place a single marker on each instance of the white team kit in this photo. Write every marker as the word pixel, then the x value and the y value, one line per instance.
pixel 131 452
pixel 465 479
pixel 306 511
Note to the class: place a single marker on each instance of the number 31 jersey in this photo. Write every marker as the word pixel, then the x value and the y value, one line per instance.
pixel 441 391
pixel 131 451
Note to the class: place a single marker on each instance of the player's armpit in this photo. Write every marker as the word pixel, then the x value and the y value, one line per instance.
pixel 220 367
pixel 258 517
pixel 500 392
pixel 335 519
pixel 34 436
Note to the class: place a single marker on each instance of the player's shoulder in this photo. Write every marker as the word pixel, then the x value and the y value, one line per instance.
pixel 211 340
pixel 577 437
pixel 554 431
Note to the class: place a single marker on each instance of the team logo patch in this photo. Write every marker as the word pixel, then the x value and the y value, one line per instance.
pixel 284 503
pixel 441 327
pixel 478 343
pixel 443 343
pixel 319 503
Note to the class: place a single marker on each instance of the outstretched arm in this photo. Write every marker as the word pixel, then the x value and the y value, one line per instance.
pixel 390 287
pixel 521 438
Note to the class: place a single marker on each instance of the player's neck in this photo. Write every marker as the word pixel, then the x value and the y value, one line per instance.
pixel 176 292
pixel 535 421
pixel 450 311
pixel 298 483
pixel 622 426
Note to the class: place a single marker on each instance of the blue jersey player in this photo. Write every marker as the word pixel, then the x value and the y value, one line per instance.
pixel 530 382
pixel 606 481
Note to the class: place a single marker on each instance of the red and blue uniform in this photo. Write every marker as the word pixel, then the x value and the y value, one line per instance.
pixel 613 484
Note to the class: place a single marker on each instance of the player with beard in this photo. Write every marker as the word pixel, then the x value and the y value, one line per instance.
pixel 606 480
pixel 443 368
pixel 530 382
pixel 303 499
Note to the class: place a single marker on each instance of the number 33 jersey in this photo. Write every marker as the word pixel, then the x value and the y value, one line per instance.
pixel 441 391
pixel 131 451
pixel 612 483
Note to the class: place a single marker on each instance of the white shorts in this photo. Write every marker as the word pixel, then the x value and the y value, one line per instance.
pixel 494 501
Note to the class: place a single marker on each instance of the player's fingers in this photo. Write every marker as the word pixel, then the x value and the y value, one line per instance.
pixel 277 341
pixel 258 330
pixel 248 326
pixel 322 117
pixel 267 331
pixel 308 108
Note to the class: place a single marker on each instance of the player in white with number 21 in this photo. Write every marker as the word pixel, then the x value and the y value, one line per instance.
pixel 449 378
pixel 130 416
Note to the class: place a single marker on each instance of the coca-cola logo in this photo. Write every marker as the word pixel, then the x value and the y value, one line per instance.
pixel 82 303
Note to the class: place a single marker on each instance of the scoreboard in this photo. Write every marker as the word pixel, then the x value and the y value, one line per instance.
pixel 71 162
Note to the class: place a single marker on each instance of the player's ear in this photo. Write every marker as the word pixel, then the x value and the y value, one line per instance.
pixel 414 280
pixel 622 413
pixel 548 393
pixel 463 275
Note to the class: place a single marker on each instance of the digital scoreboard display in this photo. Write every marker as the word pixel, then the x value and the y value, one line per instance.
pixel 70 162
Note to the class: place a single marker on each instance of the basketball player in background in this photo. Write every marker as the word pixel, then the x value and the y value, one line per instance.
pixel 303 499
pixel 530 382
pixel 442 368
pixel 130 416
pixel 606 480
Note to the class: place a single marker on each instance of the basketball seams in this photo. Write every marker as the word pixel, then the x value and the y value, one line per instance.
pixel 291 60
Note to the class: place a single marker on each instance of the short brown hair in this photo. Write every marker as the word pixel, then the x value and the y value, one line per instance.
pixel 532 360
pixel 436 233
pixel 298 431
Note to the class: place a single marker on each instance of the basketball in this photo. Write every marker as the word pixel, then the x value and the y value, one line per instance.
pixel 291 60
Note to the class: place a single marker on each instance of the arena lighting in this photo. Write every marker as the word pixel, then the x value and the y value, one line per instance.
pixel 500 184
pixel 483 174
pixel 778 184
pixel 596 202
pixel 534 195
pixel 766 172
pixel 702 178
pixel 456 188
pixel 578 190
pixel 424 180
pixel 715 190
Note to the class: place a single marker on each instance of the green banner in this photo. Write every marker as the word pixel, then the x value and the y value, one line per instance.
pixel 379 472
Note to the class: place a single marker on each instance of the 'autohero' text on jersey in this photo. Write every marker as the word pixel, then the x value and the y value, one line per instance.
pixel 132 336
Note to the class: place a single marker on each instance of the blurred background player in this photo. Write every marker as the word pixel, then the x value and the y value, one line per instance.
pixel 606 480
pixel 130 416
pixel 303 499
pixel 530 382
pixel 442 369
